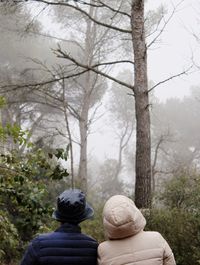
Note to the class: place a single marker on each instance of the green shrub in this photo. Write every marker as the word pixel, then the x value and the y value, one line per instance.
pixel 25 205
pixel 94 227
pixel 182 231
pixel 182 192
pixel 179 219
pixel 9 239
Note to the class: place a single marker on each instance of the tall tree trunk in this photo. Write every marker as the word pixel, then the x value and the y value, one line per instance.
pixel 143 137
pixel 83 126
pixel 65 112
pixel 88 86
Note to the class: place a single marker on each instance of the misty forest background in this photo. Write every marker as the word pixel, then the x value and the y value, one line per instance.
pixel 85 77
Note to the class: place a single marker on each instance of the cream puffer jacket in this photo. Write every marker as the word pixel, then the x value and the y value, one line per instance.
pixel 127 242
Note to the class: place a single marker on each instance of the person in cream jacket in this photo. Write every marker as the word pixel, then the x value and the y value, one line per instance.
pixel 127 242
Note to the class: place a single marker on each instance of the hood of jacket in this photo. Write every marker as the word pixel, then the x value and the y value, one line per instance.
pixel 121 218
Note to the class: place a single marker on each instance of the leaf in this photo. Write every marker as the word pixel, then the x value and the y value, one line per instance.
pixel 50 155
pixel 59 153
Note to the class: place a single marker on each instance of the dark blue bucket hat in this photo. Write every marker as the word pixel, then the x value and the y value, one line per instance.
pixel 72 207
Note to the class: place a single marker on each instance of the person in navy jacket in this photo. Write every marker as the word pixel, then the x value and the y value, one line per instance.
pixel 66 245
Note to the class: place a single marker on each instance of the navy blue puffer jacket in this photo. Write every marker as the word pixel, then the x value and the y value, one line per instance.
pixel 65 246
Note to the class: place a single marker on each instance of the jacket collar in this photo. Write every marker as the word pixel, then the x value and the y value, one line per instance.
pixel 69 228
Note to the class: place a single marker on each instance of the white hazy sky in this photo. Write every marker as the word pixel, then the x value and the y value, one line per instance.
pixel 173 54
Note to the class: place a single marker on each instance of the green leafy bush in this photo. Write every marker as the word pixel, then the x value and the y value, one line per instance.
pixel 8 238
pixel 24 190
pixel 182 231
pixel 25 206
pixel 178 220
pixel 182 192
pixel 94 227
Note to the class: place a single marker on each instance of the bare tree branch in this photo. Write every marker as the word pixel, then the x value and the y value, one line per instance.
pixel 115 10
pixel 72 111
pixel 92 119
pixel 30 24
pixel 165 24
pixel 86 14
pixel 114 62
pixel 185 72
pixel 62 54
pixel 161 30
pixel 157 26
pixel 39 84
pixel 102 4
pixel 65 136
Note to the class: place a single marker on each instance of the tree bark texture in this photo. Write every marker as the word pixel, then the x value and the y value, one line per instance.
pixel 143 137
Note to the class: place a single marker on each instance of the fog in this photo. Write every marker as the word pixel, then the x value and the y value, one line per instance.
pixel 176 120
pixel 176 50
pixel 80 108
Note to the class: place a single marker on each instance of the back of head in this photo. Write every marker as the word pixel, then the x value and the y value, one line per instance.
pixel 72 207
pixel 121 218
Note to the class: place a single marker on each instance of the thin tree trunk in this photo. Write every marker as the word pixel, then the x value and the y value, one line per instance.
pixel 82 173
pixel 88 87
pixel 143 138
pixel 125 137
pixel 31 131
pixel 70 148
pixel 65 107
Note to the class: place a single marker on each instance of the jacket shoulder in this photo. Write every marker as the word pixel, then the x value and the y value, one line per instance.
pixel 59 238
pixel 156 236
